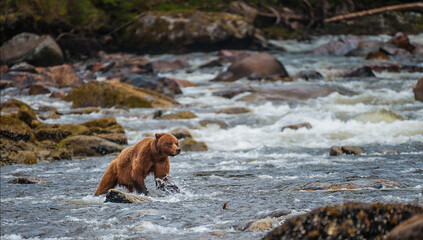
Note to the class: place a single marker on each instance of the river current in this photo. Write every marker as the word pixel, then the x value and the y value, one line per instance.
pixel 252 165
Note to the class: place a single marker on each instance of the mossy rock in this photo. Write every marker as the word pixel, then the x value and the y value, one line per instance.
pixel 114 137
pixel 180 115
pixel 25 157
pixel 75 129
pixel 84 111
pixel 104 125
pixel 14 129
pixel 382 115
pixel 181 132
pixel 234 110
pixel 54 134
pixel 88 146
pixel 190 145
pixel 114 94
pixel 19 110
pixel 347 221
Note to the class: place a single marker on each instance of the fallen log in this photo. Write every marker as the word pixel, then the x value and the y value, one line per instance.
pixel 406 6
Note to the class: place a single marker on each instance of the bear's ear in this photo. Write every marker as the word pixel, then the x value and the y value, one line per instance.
pixel 158 135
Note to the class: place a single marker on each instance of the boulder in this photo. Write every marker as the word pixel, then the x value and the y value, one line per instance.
pixel 53 134
pixel 22 80
pixel 26 180
pixel 114 94
pixel 114 137
pixel 347 221
pixel 88 146
pixel 309 75
pixel 233 91
pixel 381 115
pixel 364 71
pixel 37 89
pixel 411 229
pixel 377 56
pixel 14 129
pixel 23 67
pixel 104 125
pixel 234 110
pixel 221 124
pixel 190 145
pixel 84 110
pixel 19 110
pixel 339 47
pixel 163 85
pixel 293 92
pixel 185 31
pixel 350 185
pixel 62 76
pixel 336 150
pixel 25 157
pixel 35 49
pixel 181 133
pixel 256 66
pixel 117 196
pixel 401 40
pixel 180 115
pixel 418 90
pixel 297 126
pixel 165 66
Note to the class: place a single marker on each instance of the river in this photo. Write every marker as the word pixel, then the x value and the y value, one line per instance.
pixel 252 165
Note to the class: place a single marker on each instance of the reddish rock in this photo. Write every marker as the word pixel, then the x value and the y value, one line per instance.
pixel 57 94
pixel 257 66
pixel 38 89
pixel 163 65
pixel 97 67
pixel 377 56
pixel 418 90
pixel 3 68
pixel 401 40
pixel 62 75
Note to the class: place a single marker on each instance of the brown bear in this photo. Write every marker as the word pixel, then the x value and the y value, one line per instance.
pixel 135 163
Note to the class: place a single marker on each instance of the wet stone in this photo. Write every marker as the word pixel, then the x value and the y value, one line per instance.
pixel 26 180
pixel 117 196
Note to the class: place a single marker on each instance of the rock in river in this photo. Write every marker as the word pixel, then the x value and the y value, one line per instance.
pixel 82 145
pixel 256 66
pixel 26 180
pixel 115 94
pixel 347 221
pixel 117 196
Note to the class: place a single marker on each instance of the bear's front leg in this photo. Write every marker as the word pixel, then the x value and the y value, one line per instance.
pixel 161 174
pixel 140 187
pixel 138 181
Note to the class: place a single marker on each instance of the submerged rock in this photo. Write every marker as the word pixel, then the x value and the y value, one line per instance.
pixel 82 145
pixel 292 92
pixel 115 94
pixel 184 31
pixel 309 75
pixel 297 126
pixel 357 184
pixel 180 115
pixel 117 196
pixel 347 221
pixel 181 133
pixel 336 150
pixel 234 110
pixel 364 71
pixel 382 115
pixel 256 66
pixel 162 85
pixel 35 49
pixel 62 76
pixel 26 180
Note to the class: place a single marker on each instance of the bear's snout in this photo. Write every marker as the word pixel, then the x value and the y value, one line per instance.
pixel 178 151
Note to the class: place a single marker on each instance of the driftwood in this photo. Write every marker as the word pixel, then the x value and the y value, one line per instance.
pixel 407 6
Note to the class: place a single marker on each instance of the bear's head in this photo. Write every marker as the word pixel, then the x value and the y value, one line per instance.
pixel 167 144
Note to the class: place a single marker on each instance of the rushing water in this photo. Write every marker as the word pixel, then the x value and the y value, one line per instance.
pixel 251 165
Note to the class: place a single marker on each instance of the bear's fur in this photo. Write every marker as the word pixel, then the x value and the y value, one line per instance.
pixel 135 163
